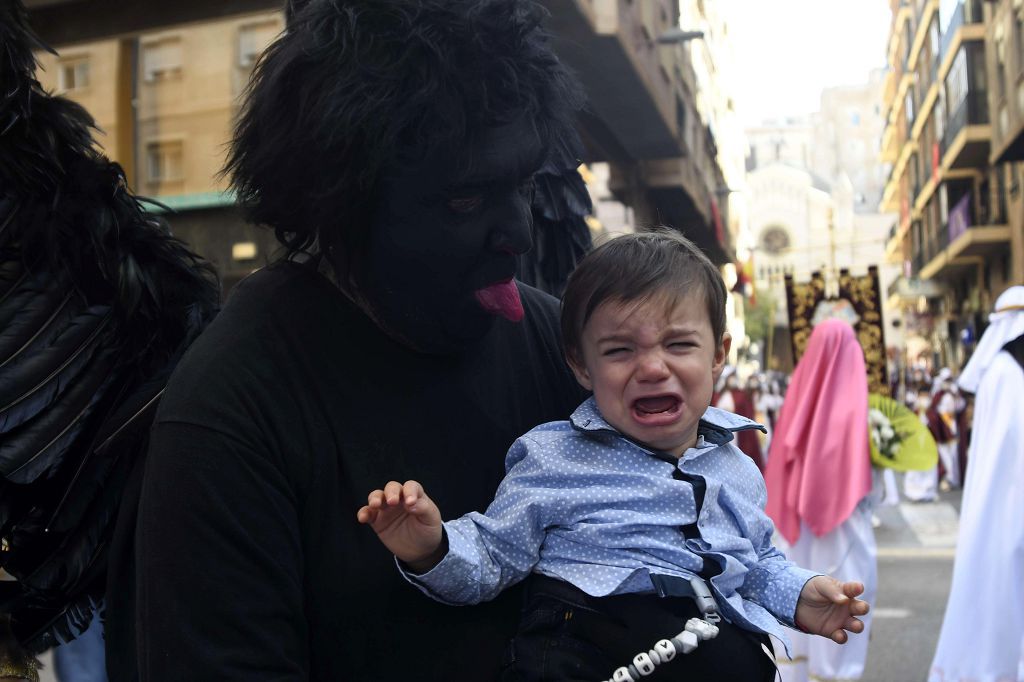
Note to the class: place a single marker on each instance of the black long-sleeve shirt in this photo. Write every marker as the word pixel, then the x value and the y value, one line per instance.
pixel 283 416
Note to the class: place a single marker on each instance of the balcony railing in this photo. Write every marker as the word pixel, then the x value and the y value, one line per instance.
pixel 966 12
pixel 969 212
pixel 972 111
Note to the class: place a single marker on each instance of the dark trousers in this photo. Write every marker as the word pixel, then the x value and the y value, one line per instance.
pixel 566 635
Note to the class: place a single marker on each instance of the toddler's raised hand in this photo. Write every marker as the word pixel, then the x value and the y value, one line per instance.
pixel 407 522
pixel 830 608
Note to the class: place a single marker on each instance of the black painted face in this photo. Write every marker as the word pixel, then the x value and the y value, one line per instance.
pixel 442 246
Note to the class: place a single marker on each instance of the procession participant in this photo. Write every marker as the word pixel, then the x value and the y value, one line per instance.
pixel 922 485
pixel 983 629
pixel 819 480
pixel 730 397
pixel 390 144
pixel 942 422
pixel 97 303
pixel 612 515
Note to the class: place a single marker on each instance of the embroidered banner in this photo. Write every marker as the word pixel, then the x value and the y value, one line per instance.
pixel 859 302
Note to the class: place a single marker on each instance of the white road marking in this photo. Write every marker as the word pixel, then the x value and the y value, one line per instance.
pixel 916 552
pixel 891 613
pixel 935 524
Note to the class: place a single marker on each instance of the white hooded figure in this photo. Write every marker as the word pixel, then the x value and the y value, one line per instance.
pixel 922 485
pixel 981 638
pixel 947 408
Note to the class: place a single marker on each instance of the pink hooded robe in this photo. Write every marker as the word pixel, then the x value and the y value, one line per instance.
pixel 819 466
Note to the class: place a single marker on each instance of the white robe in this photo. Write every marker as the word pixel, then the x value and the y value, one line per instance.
pixel 984 623
pixel 949 450
pixel 847 553
pixel 922 486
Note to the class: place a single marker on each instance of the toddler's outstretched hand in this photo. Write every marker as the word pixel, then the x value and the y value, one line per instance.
pixel 407 522
pixel 829 608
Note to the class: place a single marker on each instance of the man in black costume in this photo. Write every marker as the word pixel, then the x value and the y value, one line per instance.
pixel 391 144
pixel 97 303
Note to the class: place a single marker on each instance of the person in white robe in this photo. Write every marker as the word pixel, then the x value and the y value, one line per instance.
pixel 922 486
pixel 983 627
pixel 947 411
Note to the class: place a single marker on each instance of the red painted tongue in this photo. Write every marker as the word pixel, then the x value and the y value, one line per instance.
pixel 501 299
pixel 653 405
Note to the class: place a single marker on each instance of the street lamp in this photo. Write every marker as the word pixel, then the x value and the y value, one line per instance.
pixel 674 36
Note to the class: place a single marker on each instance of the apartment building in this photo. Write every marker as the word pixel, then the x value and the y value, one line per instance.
pixel 642 119
pixel 164 99
pixel 953 237
pixel 1005 66
pixel 163 81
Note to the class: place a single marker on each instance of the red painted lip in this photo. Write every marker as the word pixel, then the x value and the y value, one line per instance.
pixel 663 418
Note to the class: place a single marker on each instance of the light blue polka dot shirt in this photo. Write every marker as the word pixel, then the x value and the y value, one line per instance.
pixel 582 503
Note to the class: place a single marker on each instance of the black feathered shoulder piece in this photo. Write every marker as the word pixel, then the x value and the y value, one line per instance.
pixel 561 204
pixel 97 303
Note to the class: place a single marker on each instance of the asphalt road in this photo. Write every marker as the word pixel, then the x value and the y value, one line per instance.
pixel 916 545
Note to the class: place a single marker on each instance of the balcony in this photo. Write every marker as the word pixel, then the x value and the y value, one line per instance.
pixel 629 79
pixel 1008 139
pixel 63 22
pixel 967 12
pixel 924 11
pixel 967 138
pixel 912 288
pixel 975 229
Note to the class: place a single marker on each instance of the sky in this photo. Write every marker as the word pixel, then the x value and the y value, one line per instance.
pixel 787 51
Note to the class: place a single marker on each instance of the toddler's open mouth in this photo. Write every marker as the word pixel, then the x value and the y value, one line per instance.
pixel 656 409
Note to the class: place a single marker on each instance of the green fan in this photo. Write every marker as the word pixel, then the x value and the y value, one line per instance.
pixel 915 448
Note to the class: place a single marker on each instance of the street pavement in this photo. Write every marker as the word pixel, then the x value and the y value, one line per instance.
pixel 916 544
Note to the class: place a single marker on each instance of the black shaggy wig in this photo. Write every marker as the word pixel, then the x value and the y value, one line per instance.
pixel 355 85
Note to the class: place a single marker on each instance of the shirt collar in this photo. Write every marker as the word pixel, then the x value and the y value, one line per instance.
pixel 716 426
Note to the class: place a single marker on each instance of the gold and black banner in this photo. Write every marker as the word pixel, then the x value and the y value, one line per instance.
pixel 859 302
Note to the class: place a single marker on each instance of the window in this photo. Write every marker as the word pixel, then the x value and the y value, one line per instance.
pixel 947 8
pixel 1000 45
pixel 933 39
pixel 956 82
pixel 73 74
pixel 1020 97
pixel 1018 25
pixel 164 161
pixel 908 39
pixel 161 59
pixel 241 251
pixel 253 39
pixel 775 240
pixel 943 204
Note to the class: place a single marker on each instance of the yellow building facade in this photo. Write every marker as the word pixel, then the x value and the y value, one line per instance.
pixel 165 101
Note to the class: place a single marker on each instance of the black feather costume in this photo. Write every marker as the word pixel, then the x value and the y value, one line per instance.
pixel 560 207
pixel 97 303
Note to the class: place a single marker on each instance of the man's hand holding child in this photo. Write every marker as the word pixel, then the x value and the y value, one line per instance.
pixel 829 608
pixel 408 523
